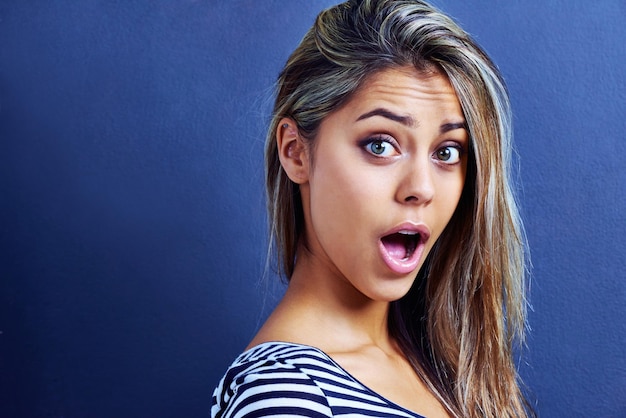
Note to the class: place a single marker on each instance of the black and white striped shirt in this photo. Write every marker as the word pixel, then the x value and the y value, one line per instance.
pixel 278 379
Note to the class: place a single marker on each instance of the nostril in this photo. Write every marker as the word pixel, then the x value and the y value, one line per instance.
pixel 411 199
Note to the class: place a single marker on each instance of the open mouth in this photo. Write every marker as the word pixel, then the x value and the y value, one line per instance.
pixel 401 245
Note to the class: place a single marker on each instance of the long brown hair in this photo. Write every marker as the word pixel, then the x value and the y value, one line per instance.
pixel 459 323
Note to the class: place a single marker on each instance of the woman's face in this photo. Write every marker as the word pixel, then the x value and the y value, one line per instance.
pixel 386 175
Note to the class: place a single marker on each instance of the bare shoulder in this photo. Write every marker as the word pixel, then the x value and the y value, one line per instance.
pixel 290 324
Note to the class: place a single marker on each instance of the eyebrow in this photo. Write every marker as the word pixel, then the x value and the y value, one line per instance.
pixel 408 120
pixel 447 127
pixel 405 120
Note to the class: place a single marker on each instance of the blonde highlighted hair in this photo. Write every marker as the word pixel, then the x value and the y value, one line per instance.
pixel 461 320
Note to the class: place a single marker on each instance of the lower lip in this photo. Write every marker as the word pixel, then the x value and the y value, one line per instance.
pixel 405 266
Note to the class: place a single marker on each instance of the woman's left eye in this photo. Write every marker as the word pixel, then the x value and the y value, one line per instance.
pixel 380 148
pixel 448 154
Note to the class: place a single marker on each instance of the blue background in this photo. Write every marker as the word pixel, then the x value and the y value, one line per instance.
pixel 132 220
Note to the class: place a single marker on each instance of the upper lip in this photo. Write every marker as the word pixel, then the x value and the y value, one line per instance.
pixel 409 227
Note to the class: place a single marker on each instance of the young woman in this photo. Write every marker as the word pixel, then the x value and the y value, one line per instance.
pixel 391 209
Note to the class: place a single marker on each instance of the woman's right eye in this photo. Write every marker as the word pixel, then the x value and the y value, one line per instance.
pixel 380 148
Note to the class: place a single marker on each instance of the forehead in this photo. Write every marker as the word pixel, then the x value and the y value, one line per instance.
pixel 408 91
pixel 408 81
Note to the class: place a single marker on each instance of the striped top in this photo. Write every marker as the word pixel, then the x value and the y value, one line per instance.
pixel 278 379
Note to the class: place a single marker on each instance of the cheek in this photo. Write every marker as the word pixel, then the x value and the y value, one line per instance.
pixel 449 194
pixel 344 211
pixel 334 192
pixel 456 189
pixel 344 199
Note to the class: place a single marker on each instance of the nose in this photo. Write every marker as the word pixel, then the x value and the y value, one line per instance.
pixel 416 184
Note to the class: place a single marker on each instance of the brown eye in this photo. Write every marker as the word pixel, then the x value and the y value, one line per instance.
pixel 448 154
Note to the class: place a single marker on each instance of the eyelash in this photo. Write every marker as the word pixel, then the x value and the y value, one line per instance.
pixel 365 144
pixel 456 147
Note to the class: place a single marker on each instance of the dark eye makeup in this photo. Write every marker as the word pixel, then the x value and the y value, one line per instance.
pixel 379 145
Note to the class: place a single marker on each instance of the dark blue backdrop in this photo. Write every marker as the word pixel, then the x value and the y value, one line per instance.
pixel 132 234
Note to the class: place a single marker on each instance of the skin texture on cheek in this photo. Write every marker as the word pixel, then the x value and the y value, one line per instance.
pixel 339 219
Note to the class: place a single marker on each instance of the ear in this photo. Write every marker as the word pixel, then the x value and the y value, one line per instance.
pixel 292 151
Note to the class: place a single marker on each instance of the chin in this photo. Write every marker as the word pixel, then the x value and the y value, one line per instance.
pixel 391 293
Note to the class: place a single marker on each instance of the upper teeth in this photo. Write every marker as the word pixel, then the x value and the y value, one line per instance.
pixel 407 232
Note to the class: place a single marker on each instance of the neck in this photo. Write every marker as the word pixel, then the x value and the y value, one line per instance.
pixel 337 315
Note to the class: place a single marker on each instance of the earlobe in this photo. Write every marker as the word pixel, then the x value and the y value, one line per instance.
pixel 292 151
